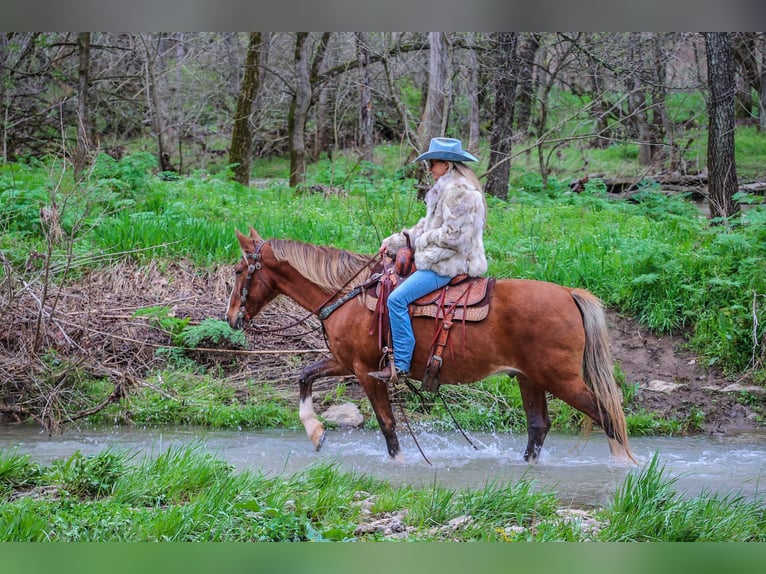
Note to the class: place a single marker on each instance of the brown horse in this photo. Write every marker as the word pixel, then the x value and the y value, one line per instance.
pixel 551 338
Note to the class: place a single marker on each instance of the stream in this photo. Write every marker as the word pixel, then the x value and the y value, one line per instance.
pixel 578 470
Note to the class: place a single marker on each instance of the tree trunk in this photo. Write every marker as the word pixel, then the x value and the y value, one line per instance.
pixel 365 100
pixel 240 153
pixel 501 135
pixel 473 97
pixel 157 103
pixel 659 125
pixel 83 112
pixel 762 87
pixel 599 110
pixel 432 122
pixel 744 54
pixel 526 86
pixel 322 135
pixel 722 170
pixel 299 107
pixel 399 104
pixel 637 105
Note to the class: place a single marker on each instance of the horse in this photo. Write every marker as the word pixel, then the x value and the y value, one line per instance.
pixel 552 338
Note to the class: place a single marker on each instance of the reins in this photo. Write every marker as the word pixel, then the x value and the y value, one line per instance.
pixel 319 311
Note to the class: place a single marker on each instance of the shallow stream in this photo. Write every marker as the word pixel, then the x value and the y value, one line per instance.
pixel 578 470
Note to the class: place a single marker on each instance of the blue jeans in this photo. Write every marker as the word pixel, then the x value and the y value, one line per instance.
pixel 415 286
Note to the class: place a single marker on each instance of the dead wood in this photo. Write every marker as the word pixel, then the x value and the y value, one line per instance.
pixel 94 334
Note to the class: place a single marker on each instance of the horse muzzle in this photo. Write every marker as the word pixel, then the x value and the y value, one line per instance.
pixel 237 323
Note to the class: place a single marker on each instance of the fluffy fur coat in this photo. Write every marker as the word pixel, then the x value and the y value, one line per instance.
pixel 449 240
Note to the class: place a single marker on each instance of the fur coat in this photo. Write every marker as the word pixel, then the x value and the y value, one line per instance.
pixel 449 240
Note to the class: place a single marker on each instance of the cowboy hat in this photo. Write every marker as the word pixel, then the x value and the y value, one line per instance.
pixel 446 149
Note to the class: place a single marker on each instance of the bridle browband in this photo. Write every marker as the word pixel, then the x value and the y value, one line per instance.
pixel 255 264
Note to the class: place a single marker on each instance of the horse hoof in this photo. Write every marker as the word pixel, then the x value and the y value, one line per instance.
pixel 320 441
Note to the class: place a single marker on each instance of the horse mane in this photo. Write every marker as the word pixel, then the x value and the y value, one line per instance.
pixel 330 268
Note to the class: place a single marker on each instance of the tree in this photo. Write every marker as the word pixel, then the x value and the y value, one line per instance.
pixel 297 117
pixel 158 105
pixel 83 110
pixel 722 170
pixel 762 86
pixel 500 138
pixel 433 120
pixel 365 99
pixel 240 153
pixel 526 82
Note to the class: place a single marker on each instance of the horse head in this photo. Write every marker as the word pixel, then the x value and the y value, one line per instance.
pixel 251 291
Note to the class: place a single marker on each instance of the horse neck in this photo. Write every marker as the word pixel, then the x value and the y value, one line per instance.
pixel 295 286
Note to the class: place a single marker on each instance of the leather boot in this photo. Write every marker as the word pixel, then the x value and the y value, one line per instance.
pixel 385 375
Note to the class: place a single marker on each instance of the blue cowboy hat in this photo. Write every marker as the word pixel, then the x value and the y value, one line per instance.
pixel 446 149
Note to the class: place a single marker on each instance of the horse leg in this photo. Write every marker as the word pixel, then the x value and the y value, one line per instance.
pixel 325 368
pixel 538 421
pixel 577 394
pixel 377 393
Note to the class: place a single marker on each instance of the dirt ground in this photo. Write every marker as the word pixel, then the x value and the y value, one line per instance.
pixel 653 361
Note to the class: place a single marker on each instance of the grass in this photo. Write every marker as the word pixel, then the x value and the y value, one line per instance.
pixel 186 494
pixel 647 508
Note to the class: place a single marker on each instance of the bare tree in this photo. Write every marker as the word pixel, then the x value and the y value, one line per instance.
pixel 240 153
pixel 83 110
pixel 432 123
pixel 299 107
pixel 500 139
pixel 762 86
pixel 526 80
pixel 722 170
pixel 390 44
pixel 306 71
pixel 156 89
pixel 365 99
pixel 471 73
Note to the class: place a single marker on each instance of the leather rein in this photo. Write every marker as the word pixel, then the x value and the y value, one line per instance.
pixel 254 263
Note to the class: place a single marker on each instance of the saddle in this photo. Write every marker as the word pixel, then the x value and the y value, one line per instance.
pixel 469 296
pixel 463 299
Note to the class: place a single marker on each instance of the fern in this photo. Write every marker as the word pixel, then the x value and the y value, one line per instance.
pixel 211 333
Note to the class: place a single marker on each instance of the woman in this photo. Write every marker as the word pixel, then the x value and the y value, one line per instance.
pixel 448 241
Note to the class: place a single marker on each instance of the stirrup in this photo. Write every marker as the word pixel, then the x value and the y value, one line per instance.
pixel 398 387
pixel 384 375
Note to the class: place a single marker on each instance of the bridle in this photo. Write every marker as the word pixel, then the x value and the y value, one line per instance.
pixel 255 264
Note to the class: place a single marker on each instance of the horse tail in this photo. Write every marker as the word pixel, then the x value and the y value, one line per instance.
pixel 598 372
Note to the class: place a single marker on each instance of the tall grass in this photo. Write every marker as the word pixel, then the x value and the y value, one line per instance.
pixel 648 508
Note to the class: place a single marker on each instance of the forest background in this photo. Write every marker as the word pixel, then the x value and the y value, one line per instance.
pixel 146 148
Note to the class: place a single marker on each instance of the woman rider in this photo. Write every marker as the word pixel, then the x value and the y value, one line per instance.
pixel 448 242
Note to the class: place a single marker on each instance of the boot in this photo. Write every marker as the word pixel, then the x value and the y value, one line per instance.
pixel 389 375
pixel 385 375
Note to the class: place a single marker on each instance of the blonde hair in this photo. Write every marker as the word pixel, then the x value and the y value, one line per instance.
pixel 464 171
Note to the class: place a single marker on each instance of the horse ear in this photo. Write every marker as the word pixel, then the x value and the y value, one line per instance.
pixel 254 234
pixel 243 239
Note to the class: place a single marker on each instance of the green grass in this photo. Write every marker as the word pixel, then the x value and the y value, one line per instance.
pixel 183 397
pixel 648 508
pixel 187 494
